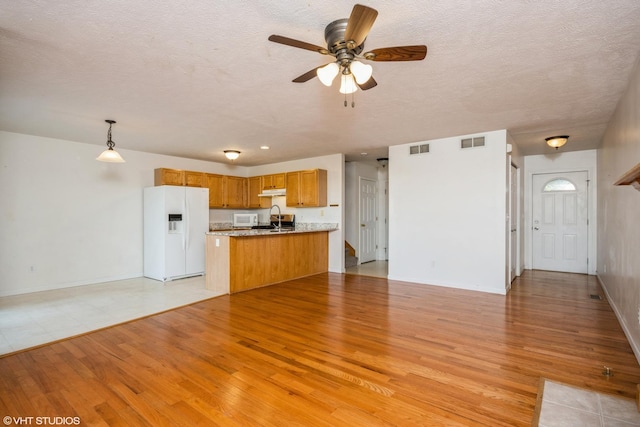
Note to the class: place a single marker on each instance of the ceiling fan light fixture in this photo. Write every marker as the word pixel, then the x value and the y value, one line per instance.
pixel 362 72
pixel 327 73
pixel 557 141
pixel 231 154
pixel 347 84
pixel 110 155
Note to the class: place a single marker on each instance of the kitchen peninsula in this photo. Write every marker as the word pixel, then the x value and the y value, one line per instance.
pixel 239 260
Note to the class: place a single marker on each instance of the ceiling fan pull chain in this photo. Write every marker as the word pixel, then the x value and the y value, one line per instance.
pixel 353 101
pixel 345 100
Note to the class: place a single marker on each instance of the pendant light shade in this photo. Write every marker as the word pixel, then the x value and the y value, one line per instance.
pixel 327 73
pixel 348 84
pixel 110 155
pixel 361 72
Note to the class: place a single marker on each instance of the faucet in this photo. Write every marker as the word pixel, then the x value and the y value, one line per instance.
pixel 279 216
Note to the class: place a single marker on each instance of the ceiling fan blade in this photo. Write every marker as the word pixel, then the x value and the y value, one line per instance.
pixel 368 84
pixel 307 76
pixel 297 43
pixel 359 25
pixel 399 53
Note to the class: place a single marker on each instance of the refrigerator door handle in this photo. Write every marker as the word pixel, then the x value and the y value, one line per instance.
pixel 185 235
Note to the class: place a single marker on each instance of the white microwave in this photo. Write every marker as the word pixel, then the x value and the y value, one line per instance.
pixel 245 219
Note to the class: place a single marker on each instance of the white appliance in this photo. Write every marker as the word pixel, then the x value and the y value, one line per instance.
pixel 245 219
pixel 175 222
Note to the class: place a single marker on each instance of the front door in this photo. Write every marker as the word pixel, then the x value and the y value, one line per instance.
pixel 367 243
pixel 560 222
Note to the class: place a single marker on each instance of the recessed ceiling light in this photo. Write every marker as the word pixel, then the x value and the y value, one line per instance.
pixel 364 154
pixel 264 147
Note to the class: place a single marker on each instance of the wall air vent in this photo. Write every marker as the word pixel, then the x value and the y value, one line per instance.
pixel 419 149
pixel 477 141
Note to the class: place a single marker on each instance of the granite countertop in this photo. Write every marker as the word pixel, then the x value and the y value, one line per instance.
pixel 300 228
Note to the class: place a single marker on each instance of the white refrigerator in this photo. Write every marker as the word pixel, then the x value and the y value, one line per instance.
pixel 175 222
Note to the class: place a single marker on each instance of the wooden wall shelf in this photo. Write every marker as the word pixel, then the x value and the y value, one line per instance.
pixel 632 177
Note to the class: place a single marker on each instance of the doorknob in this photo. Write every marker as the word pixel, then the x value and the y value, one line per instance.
pixel 536 228
pixel 362 225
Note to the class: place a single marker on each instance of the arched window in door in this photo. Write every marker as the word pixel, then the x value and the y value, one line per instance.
pixel 559 184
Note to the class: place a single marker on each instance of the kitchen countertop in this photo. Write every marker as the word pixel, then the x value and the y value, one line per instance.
pixel 300 228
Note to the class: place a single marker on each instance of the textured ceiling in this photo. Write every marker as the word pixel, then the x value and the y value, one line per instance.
pixel 191 78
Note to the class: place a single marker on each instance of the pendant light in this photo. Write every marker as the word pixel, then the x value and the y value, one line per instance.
pixel 110 155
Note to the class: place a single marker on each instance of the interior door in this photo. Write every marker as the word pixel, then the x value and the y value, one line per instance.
pixel 560 222
pixel 367 243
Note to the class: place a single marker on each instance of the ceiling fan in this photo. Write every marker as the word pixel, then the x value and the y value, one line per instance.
pixel 345 41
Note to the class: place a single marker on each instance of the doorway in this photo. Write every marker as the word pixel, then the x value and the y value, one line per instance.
pixel 560 223
pixel 514 216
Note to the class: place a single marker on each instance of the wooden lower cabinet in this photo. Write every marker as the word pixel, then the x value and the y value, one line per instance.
pixel 236 264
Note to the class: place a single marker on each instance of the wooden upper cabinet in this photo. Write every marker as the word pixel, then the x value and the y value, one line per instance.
pixel 163 176
pixel 254 187
pixel 227 191
pixel 216 190
pixel 307 189
pixel 235 192
pixel 270 182
pixel 195 179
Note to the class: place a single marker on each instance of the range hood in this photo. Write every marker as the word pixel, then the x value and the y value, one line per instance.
pixel 273 192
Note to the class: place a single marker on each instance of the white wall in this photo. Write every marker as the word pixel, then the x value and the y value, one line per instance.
pixel 447 214
pixel 571 161
pixel 618 213
pixel 70 220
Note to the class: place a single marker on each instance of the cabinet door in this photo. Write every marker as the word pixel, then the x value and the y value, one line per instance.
pixel 216 190
pixel 235 192
pixel 293 189
pixel 254 187
pixel 163 176
pixel 195 179
pixel 279 181
pixel 269 182
pixel 307 189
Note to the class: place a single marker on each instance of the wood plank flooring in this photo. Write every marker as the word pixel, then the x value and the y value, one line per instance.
pixel 332 350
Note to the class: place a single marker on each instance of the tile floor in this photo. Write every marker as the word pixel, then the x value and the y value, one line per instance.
pixel 564 406
pixel 373 268
pixel 37 318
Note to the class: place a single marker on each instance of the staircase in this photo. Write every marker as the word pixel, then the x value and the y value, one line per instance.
pixel 350 259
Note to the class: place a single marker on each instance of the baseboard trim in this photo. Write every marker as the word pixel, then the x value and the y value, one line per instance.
pixel 634 346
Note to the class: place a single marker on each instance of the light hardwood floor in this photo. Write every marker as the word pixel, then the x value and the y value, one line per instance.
pixel 333 349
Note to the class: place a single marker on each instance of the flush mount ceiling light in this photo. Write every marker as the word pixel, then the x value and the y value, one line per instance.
pixel 384 161
pixel 345 42
pixel 557 141
pixel 110 155
pixel 232 154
